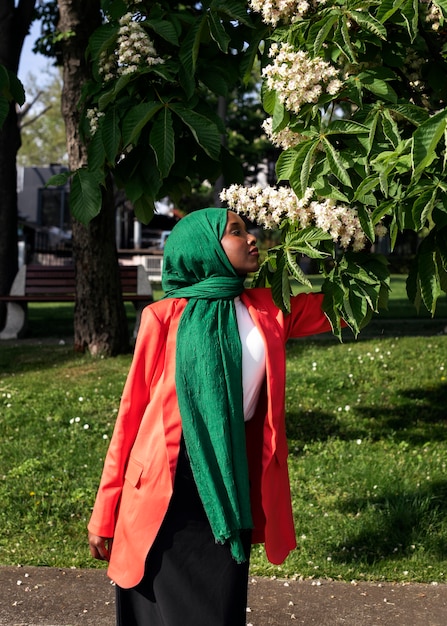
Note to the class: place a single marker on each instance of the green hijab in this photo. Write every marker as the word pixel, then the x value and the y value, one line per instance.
pixel 209 370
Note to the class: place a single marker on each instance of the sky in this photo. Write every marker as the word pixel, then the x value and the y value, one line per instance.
pixel 29 62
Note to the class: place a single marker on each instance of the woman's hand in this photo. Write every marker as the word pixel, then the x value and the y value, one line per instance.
pixel 100 547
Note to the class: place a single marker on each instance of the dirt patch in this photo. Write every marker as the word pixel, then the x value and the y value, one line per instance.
pixel 43 596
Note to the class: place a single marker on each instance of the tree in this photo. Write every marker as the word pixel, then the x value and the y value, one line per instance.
pixel 147 113
pixel 145 120
pixel 14 25
pixel 99 320
pixel 356 95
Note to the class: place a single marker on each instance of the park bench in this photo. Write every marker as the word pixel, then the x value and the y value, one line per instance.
pixel 56 283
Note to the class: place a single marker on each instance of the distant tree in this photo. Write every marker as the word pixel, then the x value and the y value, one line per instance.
pixel 41 122
pixel 15 20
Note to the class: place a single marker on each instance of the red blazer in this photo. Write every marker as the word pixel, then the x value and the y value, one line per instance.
pixel 139 468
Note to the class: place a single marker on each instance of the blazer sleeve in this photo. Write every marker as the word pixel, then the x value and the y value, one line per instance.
pixel 135 398
pixel 307 316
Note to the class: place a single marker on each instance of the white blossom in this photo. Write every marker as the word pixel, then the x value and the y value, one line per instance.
pixel 284 138
pixel 270 207
pixel 274 11
pixel 297 78
pixel 134 50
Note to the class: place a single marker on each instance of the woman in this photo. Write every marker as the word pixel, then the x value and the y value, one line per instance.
pixel 197 465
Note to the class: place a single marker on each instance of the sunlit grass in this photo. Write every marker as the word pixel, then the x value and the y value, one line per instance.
pixel 368 449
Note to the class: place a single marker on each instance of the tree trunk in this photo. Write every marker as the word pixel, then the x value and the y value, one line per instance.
pixel 100 323
pixel 14 26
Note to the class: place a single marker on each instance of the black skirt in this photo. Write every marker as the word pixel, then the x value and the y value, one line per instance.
pixel 189 580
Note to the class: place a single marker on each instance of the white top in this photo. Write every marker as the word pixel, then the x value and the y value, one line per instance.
pixel 253 358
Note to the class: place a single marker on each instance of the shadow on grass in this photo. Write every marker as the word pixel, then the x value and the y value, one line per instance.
pixel 396 525
pixel 420 417
pixel 17 360
pixel 304 428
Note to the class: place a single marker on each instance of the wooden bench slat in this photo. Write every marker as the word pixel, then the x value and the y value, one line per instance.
pixel 43 283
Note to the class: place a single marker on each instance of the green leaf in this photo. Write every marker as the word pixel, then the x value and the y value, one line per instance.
pixel 410 13
pixel 4 109
pixel 96 152
pixel 410 112
pixel 235 11
pixel 347 48
pixel 384 208
pixel 332 301
pixel 442 273
pixel 203 129
pixel 443 5
pixel 102 38
pixel 4 79
pixel 86 195
pixel 377 86
pixel 311 235
pixel 371 294
pixel 336 164
pixel 321 30
pixel 387 8
pixel 367 185
pixel 136 119
pixel 423 207
pixel 366 222
pixel 162 141
pixel 189 50
pixel 144 208
pixel 296 270
pixel 17 89
pixel 369 23
pixel 110 95
pixel 279 115
pixel 346 127
pixel 58 180
pixel 372 131
pixel 307 164
pixel 281 286
pixel 359 273
pixel 268 100
pixel 164 29
pixel 390 128
pixel 441 245
pixel 412 287
pixel 428 275
pixel 285 164
pixel 110 134
pixel 357 307
pixel 218 32
pixel 425 140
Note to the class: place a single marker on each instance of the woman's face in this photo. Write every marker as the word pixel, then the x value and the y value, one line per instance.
pixel 240 246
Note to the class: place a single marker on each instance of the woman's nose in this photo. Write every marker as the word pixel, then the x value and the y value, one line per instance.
pixel 251 239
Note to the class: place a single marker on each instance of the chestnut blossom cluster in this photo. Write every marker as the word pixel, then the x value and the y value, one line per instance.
pixel 274 11
pixel 93 116
pixel 433 14
pixel 270 207
pixel 284 138
pixel 297 78
pixel 134 50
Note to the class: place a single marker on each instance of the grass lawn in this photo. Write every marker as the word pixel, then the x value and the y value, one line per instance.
pixel 367 434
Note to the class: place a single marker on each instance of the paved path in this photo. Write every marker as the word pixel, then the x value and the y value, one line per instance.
pixel 43 596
